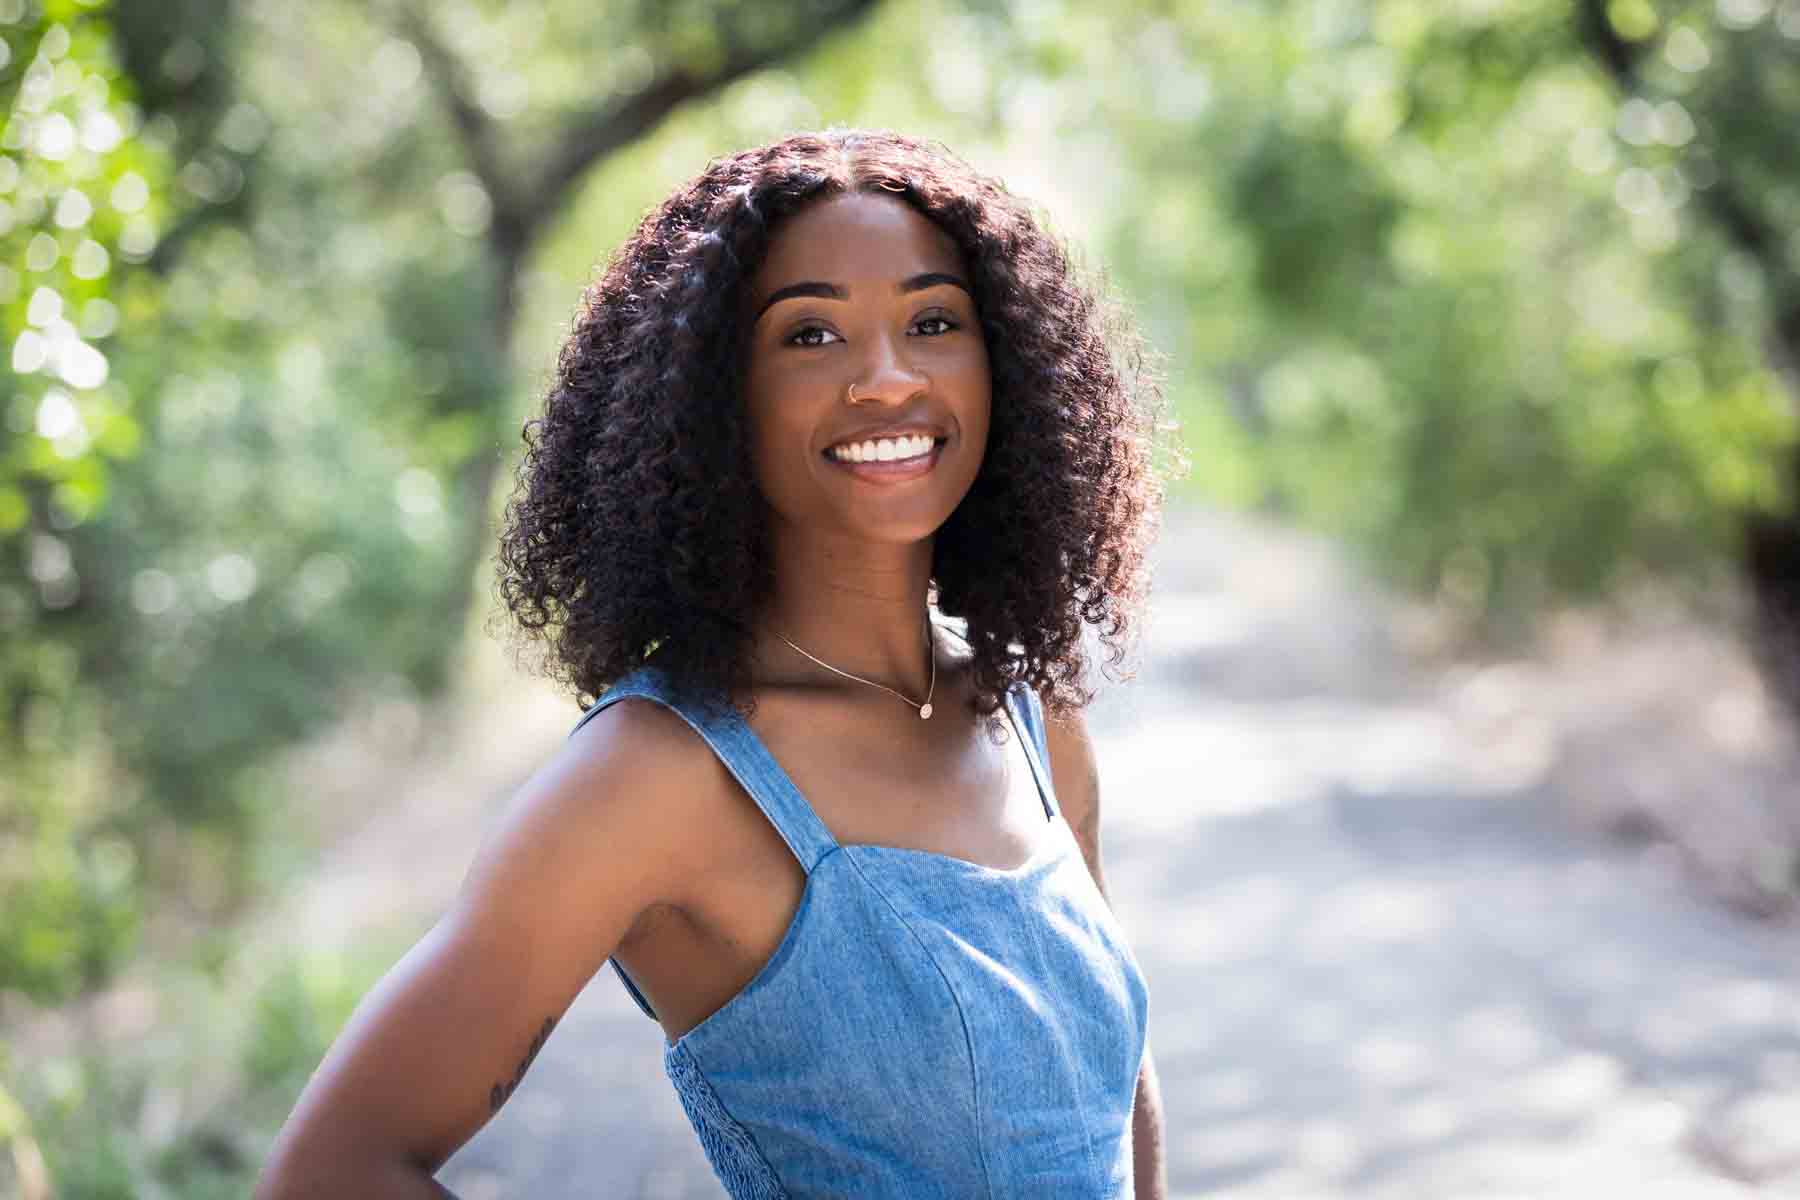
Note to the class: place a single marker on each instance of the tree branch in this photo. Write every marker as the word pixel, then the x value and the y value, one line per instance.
pixel 1618 56
pixel 520 211
pixel 474 128
pixel 196 219
pixel 586 139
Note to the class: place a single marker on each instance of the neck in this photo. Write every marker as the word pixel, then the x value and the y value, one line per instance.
pixel 857 605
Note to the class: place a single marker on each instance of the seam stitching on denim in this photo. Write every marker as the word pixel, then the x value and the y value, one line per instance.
pixel 961 1016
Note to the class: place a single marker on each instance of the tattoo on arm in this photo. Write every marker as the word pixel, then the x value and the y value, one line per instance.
pixel 501 1092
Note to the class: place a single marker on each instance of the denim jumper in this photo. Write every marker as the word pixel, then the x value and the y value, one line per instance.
pixel 928 1027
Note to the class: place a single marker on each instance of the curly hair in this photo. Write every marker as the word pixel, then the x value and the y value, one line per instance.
pixel 636 524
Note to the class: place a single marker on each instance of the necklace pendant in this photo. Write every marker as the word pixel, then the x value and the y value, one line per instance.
pixel 925 712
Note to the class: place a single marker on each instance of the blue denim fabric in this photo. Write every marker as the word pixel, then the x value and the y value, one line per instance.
pixel 928 1027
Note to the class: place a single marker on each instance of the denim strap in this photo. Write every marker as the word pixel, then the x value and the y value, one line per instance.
pixel 743 754
pixel 1024 709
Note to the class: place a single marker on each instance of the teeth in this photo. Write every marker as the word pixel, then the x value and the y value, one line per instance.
pixel 883 450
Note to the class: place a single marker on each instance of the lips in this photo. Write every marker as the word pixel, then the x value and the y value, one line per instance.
pixel 893 470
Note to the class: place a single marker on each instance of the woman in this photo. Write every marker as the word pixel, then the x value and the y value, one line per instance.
pixel 828 383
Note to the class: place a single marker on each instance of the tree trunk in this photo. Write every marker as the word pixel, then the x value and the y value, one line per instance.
pixel 1771 542
pixel 1772 563
pixel 527 197
pixel 474 531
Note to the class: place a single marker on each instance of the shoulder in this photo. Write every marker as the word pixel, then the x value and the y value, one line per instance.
pixel 1075 774
pixel 637 731
pixel 638 774
pixel 643 753
pixel 1074 767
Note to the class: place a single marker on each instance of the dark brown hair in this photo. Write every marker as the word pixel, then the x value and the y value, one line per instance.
pixel 636 525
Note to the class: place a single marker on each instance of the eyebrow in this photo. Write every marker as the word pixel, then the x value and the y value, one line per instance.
pixel 832 291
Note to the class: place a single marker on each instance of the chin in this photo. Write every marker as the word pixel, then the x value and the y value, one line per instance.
pixel 896 530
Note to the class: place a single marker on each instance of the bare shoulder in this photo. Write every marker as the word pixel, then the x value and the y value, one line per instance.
pixel 640 738
pixel 646 773
pixel 1075 774
pixel 1074 767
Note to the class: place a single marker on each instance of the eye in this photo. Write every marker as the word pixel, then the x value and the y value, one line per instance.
pixel 804 337
pixel 934 325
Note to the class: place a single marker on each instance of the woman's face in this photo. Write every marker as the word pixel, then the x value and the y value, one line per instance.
pixel 861 291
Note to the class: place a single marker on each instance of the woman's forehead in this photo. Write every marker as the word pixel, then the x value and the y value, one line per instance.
pixel 858 236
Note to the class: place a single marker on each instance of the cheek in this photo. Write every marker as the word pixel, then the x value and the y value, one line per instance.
pixel 778 434
pixel 762 414
pixel 778 416
pixel 980 385
pixel 767 440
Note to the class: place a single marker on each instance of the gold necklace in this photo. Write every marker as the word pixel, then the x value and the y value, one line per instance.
pixel 925 708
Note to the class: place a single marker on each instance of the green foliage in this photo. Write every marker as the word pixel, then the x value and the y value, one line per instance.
pixel 189 1111
pixel 298 1011
pixel 230 488
pixel 1429 277
pixel 80 198
pixel 280 493
pixel 1436 286
pixel 1421 279
pixel 82 194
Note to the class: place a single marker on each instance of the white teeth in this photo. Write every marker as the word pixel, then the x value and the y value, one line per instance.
pixel 884 449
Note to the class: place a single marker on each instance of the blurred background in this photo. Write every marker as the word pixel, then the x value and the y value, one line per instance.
pixel 1455 809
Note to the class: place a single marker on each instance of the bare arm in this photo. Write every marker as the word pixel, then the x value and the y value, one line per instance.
pixel 1150 1182
pixel 1076 777
pixel 440 1043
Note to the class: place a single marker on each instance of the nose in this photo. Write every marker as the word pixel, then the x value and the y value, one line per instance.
pixel 888 374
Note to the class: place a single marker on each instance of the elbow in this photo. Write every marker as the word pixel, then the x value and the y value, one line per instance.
pixel 324 1176
pixel 290 1176
pixel 277 1184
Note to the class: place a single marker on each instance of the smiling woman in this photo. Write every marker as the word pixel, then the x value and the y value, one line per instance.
pixel 640 516
pixel 867 354
pixel 834 395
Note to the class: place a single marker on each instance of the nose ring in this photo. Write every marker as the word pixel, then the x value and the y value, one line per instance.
pixel 850 394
